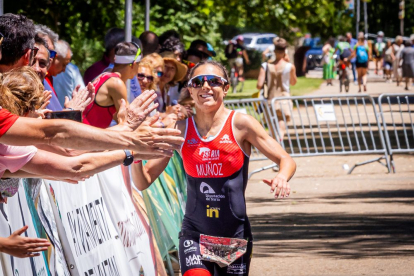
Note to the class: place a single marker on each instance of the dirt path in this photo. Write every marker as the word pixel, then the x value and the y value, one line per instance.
pixel 334 223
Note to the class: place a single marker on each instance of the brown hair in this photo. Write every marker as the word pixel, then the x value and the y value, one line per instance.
pixel 146 64
pixel 280 44
pixel 22 90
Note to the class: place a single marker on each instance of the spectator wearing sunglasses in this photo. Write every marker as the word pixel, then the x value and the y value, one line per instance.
pixel 110 86
pixel 157 63
pixel 18 43
pixel 146 76
pixel 41 61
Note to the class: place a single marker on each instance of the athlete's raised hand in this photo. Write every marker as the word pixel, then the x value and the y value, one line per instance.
pixel 279 186
pixel 23 247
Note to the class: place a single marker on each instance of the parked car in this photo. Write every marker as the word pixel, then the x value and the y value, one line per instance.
pixel 314 54
pixel 257 41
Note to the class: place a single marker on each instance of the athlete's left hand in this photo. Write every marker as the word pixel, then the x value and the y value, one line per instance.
pixel 279 186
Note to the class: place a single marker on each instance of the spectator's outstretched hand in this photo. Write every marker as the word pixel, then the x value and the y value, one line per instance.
pixel 154 142
pixel 81 98
pixel 134 114
pixel 23 247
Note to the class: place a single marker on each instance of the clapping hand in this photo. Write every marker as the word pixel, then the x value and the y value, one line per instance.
pixel 81 98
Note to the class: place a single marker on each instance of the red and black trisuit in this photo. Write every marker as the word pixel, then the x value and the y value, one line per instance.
pixel 217 170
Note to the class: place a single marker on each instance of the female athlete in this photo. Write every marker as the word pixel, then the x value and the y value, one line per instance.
pixel 216 158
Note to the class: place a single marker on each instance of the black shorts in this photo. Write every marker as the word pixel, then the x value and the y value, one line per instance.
pixel 361 65
pixel 191 263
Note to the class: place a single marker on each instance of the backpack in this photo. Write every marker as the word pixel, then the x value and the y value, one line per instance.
pixel 362 55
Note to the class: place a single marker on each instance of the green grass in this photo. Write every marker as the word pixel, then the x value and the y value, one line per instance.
pixel 303 86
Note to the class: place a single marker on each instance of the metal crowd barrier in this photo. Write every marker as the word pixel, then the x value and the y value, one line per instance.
pixel 259 109
pixel 397 115
pixel 319 125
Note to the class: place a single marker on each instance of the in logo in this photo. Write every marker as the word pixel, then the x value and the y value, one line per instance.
pixel 188 243
pixel 206 189
pixel 212 212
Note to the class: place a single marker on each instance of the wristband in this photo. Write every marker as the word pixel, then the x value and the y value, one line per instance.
pixel 137 162
pixel 162 124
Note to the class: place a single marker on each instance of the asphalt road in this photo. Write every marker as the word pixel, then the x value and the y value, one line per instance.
pixel 334 223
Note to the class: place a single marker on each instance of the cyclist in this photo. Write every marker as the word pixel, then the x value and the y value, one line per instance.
pixel 344 50
pixel 216 156
pixel 235 52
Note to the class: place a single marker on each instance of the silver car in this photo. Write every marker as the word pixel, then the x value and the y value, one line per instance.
pixel 257 41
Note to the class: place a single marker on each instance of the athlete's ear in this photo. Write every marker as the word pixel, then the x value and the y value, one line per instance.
pixel 226 89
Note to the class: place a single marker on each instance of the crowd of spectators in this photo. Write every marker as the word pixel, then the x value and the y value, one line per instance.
pixel 38 80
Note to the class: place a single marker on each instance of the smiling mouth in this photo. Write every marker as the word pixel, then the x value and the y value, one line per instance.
pixel 206 96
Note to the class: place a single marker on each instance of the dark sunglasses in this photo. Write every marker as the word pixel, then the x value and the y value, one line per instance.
pixel 52 54
pixel 212 80
pixel 160 73
pixel 142 76
pixel 189 64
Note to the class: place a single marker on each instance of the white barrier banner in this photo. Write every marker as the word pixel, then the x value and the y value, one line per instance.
pixel 13 216
pixel 132 229
pixel 92 236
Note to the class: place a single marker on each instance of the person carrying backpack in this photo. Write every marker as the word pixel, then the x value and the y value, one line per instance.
pixel 361 52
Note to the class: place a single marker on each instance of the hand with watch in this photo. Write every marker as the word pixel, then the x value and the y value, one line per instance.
pixel 129 159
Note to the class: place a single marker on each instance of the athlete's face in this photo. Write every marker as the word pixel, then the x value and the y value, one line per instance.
pixel 207 96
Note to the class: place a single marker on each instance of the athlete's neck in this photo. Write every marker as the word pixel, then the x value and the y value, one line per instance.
pixel 209 122
pixel 124 72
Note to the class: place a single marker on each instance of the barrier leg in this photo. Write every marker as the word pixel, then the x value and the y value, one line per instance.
pixel 262 169
pixel 370 161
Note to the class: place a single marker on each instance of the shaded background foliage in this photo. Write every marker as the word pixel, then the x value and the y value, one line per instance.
pixel 83 23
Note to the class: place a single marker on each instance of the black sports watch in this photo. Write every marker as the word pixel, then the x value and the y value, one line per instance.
pixel 128 159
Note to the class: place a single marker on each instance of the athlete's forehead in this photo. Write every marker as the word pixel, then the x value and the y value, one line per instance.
pixel 208 69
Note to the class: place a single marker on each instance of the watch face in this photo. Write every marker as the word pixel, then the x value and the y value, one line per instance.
pixel 128 159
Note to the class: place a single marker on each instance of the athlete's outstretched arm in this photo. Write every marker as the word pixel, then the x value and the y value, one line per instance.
pixel 251 131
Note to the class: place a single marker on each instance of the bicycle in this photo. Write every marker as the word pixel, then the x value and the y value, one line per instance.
pixel 343 77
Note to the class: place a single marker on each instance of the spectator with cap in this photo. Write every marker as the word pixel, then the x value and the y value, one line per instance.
pixel 201 46
pixel 18 44
pixel 112 38
pixel 211 51
pixel 149 42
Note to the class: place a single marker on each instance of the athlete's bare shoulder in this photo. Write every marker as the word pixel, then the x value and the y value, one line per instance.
pixel 244 122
